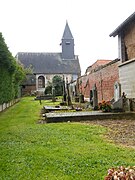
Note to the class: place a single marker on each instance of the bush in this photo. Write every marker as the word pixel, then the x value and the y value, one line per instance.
pixel 11 74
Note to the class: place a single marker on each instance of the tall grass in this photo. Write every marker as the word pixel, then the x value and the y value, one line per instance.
pixel 62 151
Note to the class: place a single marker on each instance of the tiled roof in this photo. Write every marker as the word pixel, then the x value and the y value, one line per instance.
pixel 100 62
pixel 49 63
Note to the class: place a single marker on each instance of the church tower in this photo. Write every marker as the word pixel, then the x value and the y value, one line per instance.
pixel 67 44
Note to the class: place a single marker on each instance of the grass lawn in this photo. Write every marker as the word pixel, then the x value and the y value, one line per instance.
pixel 62 151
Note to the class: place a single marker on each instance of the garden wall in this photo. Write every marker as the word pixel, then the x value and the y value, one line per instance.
pixel 4 106
pixel 104 77
pixel 127 78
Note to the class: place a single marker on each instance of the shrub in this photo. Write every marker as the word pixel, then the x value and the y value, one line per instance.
pixel 11 74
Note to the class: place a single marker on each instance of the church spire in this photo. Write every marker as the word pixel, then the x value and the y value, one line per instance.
pixel 67 32
pixel 67 43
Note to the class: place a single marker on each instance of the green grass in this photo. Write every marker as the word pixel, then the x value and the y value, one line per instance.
pixel 62 151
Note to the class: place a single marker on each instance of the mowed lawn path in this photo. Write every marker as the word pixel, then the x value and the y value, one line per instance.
pixel 62 151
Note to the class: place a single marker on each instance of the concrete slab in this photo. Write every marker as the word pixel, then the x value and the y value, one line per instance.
pixel 83 116
pixel 51 108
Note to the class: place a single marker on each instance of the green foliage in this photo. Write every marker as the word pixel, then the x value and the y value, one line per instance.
pixel 48 89
pixel 29 70
pixel 6 58
pixel 58 85
pixel 18 77
pixel 7 92
pixel 11 74
pixel 65 151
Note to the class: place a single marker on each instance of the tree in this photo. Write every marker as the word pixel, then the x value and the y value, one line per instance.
pixel 48 89
pixel 6 59
pixel 11 74
pixel 18 77
pixel 57 83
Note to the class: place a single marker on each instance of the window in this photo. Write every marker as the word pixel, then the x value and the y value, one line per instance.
pixel 74 77
pixel 67 43
pixel 41 82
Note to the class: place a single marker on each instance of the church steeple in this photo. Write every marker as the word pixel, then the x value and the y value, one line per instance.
pixel 67 43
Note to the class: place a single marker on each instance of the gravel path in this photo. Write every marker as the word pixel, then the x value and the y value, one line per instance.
pixel 120 131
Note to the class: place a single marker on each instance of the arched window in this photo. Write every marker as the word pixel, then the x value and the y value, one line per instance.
pixel 41 82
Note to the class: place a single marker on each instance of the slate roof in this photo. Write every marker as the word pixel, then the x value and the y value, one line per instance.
pixel 49 63
pixel 122 26
pixel 67 32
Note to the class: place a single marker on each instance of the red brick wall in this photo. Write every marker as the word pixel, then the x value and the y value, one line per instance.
pixel 27 89
pixel 104 78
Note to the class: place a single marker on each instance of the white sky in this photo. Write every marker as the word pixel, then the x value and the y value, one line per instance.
pixel 38 26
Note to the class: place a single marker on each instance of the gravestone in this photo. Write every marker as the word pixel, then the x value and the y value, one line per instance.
pixel 91 97
pixel 117 91
pixel 68 95
pixel 53 95
pixel 95 97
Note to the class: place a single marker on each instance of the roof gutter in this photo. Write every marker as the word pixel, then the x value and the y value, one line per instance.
pixel 121 26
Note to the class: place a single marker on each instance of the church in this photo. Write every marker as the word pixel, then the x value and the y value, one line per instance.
pixel 44 66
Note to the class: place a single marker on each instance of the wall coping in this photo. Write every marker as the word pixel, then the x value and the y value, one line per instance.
pixel 104 66
pixel 127 62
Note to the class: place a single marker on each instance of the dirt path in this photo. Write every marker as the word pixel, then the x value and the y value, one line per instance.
pixel 120 131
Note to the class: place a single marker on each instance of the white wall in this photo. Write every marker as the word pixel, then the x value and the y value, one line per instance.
pixel 127 78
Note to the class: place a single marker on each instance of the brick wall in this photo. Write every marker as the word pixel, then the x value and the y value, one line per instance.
pixel 28 89
pixel 104 77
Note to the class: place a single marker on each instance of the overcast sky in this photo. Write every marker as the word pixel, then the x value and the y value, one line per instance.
pixel 38 25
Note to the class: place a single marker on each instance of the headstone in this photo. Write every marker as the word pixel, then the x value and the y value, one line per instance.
pixel 53 94
pixel 95 97
pixel 68 95
pixel 126 104
pixel 117 91
pixel 64 91
pixel 81 98
pixel 91 97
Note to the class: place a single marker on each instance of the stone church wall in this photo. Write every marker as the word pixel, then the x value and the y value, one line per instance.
pixel 104 77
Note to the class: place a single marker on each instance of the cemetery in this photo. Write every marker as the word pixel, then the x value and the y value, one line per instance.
pixel 57 124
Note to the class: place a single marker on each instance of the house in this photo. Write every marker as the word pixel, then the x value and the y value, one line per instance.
pixel 126 49
pixel 45 66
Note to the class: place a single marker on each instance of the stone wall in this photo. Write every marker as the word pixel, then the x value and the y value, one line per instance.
pixel 127 78
pixel 104 77
pixel 4 106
